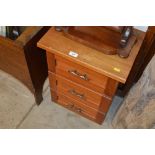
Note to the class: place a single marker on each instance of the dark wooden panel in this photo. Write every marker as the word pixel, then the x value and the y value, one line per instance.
pixel 145 54
pixel 37 63
pixel 24 60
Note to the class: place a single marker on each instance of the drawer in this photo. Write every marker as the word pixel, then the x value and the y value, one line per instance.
pixel 80 108
pixel 81 75
pixel 79 93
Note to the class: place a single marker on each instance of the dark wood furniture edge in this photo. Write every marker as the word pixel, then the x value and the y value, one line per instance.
pixel 38 67
pixel 148 49
pixel 27 35
pixel 25 61
pixel 144 56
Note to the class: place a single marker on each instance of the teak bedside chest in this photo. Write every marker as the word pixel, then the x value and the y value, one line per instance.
pixel 83 79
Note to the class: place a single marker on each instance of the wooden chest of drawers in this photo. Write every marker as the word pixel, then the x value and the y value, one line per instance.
pixel 80 89
pixel 85 83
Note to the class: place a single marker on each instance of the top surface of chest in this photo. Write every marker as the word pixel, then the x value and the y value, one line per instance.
pixel 110 65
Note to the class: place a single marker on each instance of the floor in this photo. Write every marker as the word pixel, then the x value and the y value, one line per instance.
pixel 19 111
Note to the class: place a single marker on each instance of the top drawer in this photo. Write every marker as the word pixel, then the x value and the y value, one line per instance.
pixel 81 75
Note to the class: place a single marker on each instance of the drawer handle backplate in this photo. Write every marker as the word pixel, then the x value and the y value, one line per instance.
pixel 70 106
pixel 73 107
pixel 76 73
pixel 79 110
pixel 73 92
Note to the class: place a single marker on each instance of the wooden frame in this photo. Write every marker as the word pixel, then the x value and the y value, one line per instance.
pixel 24 60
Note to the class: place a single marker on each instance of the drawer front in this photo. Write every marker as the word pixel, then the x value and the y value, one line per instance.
pixel 79 93
pixel 80 108
pixel 81 75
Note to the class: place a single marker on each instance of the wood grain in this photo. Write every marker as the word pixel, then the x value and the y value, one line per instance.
pixel 79 108
pixel 95 81
pixel 109 65
pixel 87 83
pixel 24 60
pixel 144 56
pixel 100 102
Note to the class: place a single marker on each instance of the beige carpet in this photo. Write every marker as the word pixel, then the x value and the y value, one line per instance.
pixel 15 101
pixel 18 110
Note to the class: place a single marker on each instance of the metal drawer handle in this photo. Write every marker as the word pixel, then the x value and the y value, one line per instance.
pixel 73 107
pixel 79 110
pixel 76 73
pixel 70 106
pixel 73 92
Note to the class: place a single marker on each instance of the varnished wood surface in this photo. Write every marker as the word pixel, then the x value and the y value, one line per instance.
pixel 98 91
pixel 12 61
pixel 91 74
pixel 96 82
pixel 102 38
pixel 27 35
pixel 96 37
pixel 24 60
pixel 78 107
pixel 110 65
pixel 90 98
pixel 145 54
